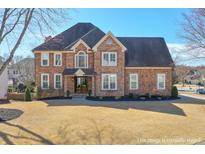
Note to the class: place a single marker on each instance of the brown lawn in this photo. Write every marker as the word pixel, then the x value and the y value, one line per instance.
pixel 61 122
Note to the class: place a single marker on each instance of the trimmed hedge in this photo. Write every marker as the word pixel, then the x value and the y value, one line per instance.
pixel 174 92
pixel 28 95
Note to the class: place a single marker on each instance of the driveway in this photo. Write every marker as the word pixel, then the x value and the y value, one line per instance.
pixel 79 121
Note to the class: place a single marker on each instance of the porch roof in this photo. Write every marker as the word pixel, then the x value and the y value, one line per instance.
pixel 73 71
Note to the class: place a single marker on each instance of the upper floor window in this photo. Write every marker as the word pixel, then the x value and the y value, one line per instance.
pixel 45 81
pixel 160 81
pixel 109 59
pixel 44 59
pixel 81 60
pixel 57 59
pixel 133 81
pixel 109 82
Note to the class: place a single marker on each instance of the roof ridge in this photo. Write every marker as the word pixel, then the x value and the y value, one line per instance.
pixel 81 37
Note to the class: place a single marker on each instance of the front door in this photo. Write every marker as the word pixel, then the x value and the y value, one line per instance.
pixel 81 85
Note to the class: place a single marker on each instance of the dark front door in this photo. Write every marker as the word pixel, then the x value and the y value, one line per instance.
pixel 81 85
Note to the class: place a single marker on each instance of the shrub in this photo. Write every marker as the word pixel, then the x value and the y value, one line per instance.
pixel 174 92
pixel 38 92
pixel 130 95
pixel 118 97
pixel 28 95
pixel 89 93
pixel 136 96
pixel 21 87
pixel 101 98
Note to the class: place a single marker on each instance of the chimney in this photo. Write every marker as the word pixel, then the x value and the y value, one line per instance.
pixel 48 38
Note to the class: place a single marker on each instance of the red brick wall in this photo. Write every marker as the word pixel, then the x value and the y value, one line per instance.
pixel 119 69
pixel 147 79
pixel 51 69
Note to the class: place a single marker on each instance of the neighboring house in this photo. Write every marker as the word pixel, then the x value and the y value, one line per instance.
pixel 22 71
pixel 84 58
pixel 195 76
pixel 3 82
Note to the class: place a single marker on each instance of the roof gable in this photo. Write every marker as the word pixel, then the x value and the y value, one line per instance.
pixel 113 37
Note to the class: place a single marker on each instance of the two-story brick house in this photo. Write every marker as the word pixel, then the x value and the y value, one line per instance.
pixel 84 58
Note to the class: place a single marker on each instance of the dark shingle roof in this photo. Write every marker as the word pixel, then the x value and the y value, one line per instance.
pixel 90 38
pixel 141 52
pixel 72 71
pixel 146 52
pixel 67 37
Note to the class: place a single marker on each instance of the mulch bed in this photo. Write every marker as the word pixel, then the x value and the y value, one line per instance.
pixel 4 101
pixel 131 99
pixel 9 114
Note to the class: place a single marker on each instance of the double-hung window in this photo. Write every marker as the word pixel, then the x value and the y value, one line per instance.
pixel 57 81
pixel 44 81
pixel 133 81
pixel 44 59
pixel 57 59
pixel 109 59
pixel 81 60
pixel 161 81
pixel 109 82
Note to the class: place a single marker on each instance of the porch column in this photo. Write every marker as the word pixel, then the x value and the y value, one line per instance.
pixel 65 86
pixel 93 86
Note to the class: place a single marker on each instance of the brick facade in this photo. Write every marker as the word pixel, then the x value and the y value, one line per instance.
pixel 147 77
pixel 147 81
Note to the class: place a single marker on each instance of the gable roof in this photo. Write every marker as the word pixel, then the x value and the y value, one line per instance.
pixel 141 51
pixel 146 52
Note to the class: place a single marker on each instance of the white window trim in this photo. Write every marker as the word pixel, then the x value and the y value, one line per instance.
pixel 108 82
pixel 137 81
pixel 103 64
pixel 55 58
pixel 42 59
pixel 158 75
pixel 76 61
pixel 42 80
pixel 55 80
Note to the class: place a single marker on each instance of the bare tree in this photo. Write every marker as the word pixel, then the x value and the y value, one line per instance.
pixel 181 73
pixel 193 32
pixel 16 23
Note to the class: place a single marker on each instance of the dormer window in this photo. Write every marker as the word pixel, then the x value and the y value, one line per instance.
pixel 81 60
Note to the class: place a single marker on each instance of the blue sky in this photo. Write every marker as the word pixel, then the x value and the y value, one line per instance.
pixel 125 22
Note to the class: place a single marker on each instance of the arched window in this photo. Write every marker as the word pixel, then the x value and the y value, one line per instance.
pixel 81 60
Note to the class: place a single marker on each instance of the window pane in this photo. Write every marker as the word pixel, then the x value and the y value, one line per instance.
pixel 45 81
pixel 112 82
pixel 112 59
pixel 133 85
pixel 45 57
pixel 81 61
pixel 161 81
pixel 58 81
pixel 105 82
pixel 58 59
pixel 105 58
